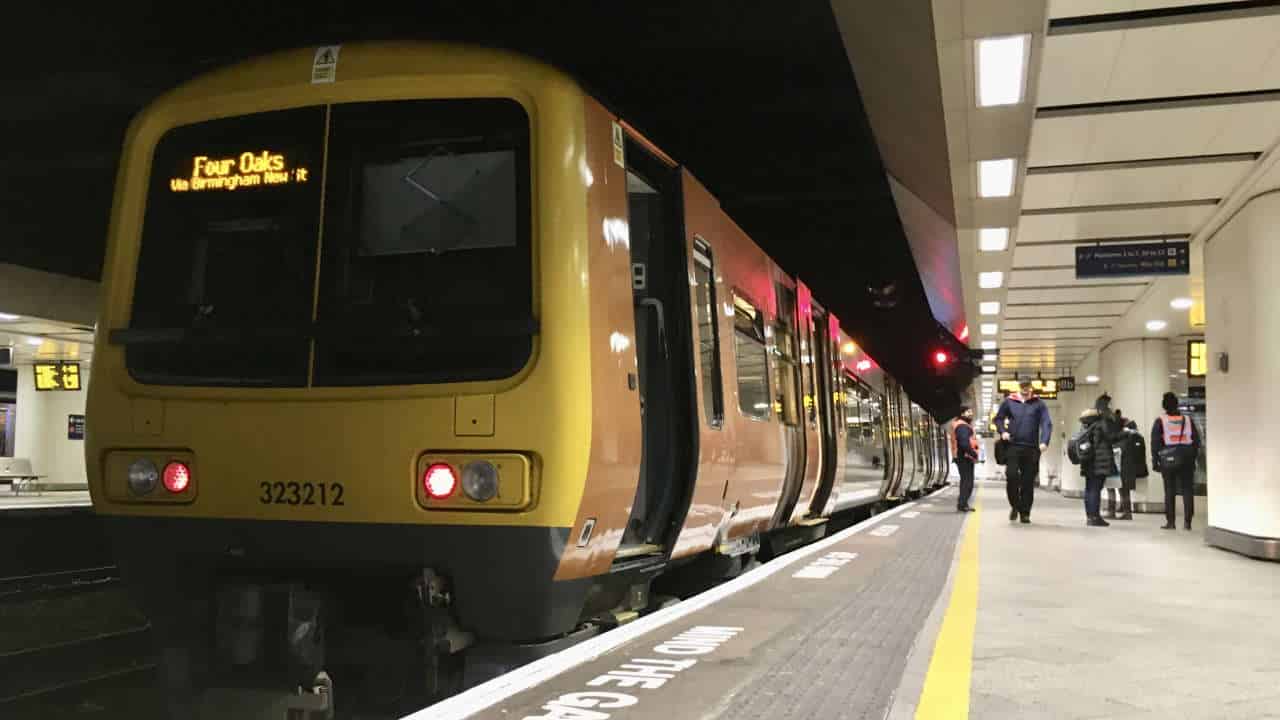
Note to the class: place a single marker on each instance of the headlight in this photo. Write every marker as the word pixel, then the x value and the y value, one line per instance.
pixel 143 477
pixel 480 480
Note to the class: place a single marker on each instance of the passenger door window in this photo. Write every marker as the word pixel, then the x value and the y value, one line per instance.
pixel 708 333
pixel 752 358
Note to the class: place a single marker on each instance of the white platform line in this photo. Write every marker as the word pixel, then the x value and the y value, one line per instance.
pixel 488 694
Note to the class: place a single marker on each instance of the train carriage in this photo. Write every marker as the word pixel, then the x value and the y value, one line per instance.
pixel 436 358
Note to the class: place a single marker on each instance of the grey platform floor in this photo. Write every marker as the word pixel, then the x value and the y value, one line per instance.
pixel 1124 622
pixel 825 637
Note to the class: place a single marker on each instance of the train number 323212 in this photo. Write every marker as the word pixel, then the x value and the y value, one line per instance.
pixel 301 493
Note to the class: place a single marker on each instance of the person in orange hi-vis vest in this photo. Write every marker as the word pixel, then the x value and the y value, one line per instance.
pixel 1175 447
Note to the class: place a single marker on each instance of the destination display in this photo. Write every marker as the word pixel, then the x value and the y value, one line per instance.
pixel 245 170
pixel 1129 259
pixel 57 376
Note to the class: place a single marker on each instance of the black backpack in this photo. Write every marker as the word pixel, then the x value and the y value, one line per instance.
pixel 1080 448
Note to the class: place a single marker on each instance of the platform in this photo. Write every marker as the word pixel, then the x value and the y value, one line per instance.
pixel 922 612
pixel 10 501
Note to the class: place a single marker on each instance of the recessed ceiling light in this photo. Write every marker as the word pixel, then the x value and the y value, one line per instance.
pixel 1091 379
pixel 988 344
pixel 1156 325
pixel 1181 303
pixel 35 341
pixel 990 280
pixel 993 239
pixel 1001 69
pixel 989 307
pixel 6 317
pixel 995 177
pixel 1183 371
pixel 989 328
pixel 988 368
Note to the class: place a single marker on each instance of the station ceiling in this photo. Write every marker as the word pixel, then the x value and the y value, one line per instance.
pixel 1146 120
pixel 759 100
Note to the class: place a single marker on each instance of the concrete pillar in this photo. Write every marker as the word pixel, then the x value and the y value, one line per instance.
pixel 1241 296
pixel 40 433
pixel 1135 373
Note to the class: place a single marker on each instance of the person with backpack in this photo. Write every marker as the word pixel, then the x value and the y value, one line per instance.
pixel 964 452
pixel 1133 465
pixel 1175 445
pixel 1023 421
pixel 1091 448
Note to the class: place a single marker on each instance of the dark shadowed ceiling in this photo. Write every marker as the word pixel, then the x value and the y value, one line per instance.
pixel 759 100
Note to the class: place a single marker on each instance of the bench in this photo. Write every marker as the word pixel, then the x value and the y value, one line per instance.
pixel 18 474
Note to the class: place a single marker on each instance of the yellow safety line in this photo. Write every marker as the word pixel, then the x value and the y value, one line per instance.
pixel 946 686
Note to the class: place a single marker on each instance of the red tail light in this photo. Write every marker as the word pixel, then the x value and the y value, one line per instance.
pixel 439 481
pixel 177 477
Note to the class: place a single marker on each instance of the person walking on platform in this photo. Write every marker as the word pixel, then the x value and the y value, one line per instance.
pixel 1133 465
pixel 1023 421
pixel 964 451
pixel 1100 462
pixel 1175 445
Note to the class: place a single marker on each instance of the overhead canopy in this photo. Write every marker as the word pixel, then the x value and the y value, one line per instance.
pixel 759 100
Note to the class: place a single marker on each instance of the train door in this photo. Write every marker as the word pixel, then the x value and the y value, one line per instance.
pixel 787 399
pixel 660 291
pixel 906 443
pixel 828 423
pixel 894 407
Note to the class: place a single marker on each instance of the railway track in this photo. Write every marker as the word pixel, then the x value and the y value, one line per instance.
pixel 23 588
pixel 47 670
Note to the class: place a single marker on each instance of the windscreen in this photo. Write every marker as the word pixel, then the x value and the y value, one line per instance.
pixel 419 211
pixel 427 273
pixel 228 251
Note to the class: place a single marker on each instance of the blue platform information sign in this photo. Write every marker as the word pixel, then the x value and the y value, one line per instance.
pixel 1126 259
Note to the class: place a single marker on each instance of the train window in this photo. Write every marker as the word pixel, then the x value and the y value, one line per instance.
pixel 752 358
pixel 228 252
pixel 786 377
pixel 426 272
pixel 852 412
pixel 708 332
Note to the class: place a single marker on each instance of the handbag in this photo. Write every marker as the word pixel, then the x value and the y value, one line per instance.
pixel 1002 451
pixel 1173 457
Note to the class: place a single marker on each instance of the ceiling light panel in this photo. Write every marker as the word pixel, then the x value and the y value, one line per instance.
pixel 995 177
pixel 990 280
pixel 993 239
pixel 1001 66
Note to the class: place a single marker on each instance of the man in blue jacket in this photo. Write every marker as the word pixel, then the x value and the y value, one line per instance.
pixel 1023 420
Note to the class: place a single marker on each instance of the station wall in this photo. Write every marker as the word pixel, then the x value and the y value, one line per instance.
pixel 1240 287
pixel 40 432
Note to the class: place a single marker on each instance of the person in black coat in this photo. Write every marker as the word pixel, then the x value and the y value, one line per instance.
pixel 1133 465
pixel 1103 434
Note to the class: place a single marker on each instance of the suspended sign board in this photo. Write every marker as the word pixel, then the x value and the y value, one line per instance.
pixel 57 376
pixel 1066 384
pixel 1046 389
pixel 1129 259
pixel 6 356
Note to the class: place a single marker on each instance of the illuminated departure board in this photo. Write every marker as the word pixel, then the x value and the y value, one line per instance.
pixel 57 376
pixel 1047 389
pixel 247 170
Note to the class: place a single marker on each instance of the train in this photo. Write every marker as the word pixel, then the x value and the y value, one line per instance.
pixel 417 361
